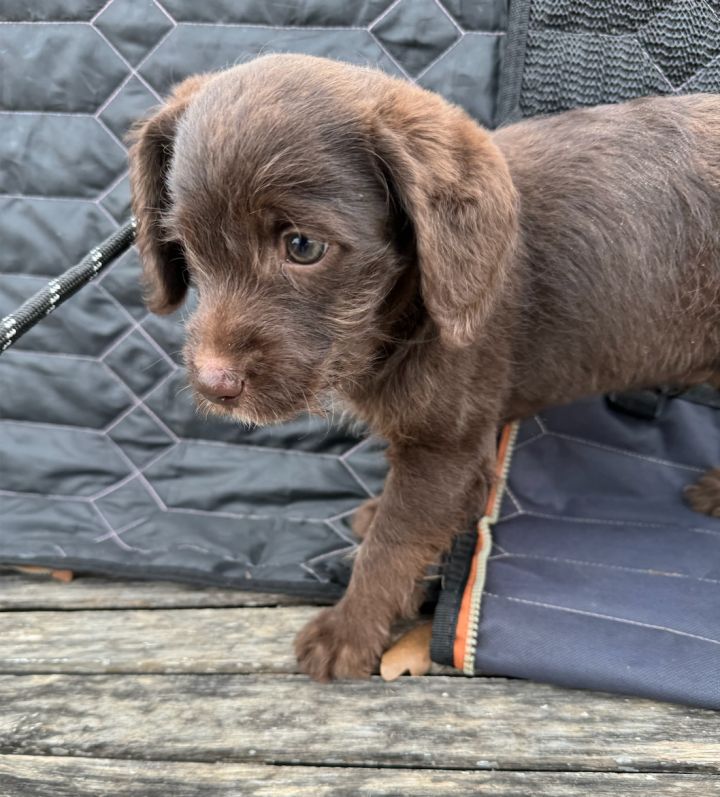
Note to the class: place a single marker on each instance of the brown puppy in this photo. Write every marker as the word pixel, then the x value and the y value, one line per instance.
pixel 356 237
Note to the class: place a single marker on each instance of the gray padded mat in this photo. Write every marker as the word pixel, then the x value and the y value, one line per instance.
pixel 104 465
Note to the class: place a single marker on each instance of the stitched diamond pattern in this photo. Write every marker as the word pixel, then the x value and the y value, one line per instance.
pixel 430 35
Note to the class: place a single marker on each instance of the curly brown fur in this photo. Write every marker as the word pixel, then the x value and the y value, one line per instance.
pixel 470 278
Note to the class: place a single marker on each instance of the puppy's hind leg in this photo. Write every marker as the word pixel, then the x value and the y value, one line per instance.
pixel 704 495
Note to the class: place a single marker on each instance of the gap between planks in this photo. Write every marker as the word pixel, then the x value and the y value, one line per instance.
pixel 39 593
pixel 32 776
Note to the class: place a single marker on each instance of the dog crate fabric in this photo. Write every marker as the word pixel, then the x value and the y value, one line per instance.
pixel 104 465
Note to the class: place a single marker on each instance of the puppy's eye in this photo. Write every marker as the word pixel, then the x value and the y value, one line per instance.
pixel 303 250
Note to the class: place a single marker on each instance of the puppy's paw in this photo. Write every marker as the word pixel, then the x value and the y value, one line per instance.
pixel 363 517
pixel 704 496
pixel 331 646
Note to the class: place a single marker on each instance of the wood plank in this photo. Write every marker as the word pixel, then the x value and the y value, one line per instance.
pixel 439 722
pixel 247 640
pixel 32 776
pixel 164 640
pixel 86 592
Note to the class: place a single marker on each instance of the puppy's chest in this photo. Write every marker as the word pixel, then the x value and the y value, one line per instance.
pixel 359 414
pixel 394 412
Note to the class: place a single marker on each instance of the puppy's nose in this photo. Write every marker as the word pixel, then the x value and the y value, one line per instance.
pixel 219 385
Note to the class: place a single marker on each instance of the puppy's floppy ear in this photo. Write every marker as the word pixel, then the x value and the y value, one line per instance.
pixel 164 269
pixel 454 185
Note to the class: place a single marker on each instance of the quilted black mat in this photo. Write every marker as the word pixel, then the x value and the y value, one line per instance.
pixel 104 465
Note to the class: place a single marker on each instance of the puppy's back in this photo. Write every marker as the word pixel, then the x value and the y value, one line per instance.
pixel 620 221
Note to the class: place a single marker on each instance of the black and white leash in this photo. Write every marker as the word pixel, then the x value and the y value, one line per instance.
pixel 15 325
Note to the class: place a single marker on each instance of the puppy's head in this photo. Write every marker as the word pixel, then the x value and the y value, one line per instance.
pixel 321 211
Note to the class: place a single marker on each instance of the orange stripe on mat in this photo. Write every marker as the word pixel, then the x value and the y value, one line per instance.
pixel 461 630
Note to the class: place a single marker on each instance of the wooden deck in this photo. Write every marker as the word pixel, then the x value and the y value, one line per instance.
pixel 155 690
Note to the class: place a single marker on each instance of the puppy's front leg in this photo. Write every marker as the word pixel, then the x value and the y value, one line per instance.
pixel 430 494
